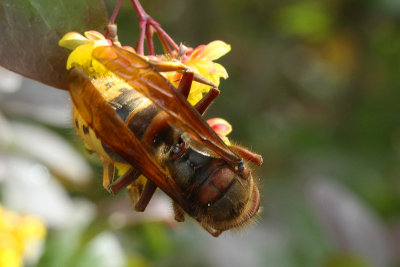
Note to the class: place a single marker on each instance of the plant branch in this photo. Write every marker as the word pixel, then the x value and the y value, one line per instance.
pixel 146 22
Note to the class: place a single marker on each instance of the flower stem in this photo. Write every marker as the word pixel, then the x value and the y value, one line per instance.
pixel 164 36
pixel 115 12
pixel 146 22
pixel 149 39
pixel 140 11
pixel 113 17
pixel 140 43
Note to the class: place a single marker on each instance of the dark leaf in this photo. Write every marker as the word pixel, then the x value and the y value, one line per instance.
pixel 31 29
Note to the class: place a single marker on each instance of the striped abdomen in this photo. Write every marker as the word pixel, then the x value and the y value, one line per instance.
pixel 137 111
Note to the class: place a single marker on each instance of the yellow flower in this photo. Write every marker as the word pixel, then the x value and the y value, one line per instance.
pixel 200 60
pixel 82 46
pixel 221 127
pixel 18 236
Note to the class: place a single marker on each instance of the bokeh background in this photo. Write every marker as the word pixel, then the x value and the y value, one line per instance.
pixel 313 87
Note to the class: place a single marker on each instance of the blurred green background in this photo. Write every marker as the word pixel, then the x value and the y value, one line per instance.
pixel 313 87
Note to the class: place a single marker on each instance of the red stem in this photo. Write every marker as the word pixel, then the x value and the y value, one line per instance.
pixel 113 17
pixel 115 12
pixel 140 44
pixel 164 35
pixel 149 39
pixel 165 44
pixel 146 22
pixel 139 10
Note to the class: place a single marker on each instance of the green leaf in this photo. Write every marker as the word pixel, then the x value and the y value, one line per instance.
pixel 31 29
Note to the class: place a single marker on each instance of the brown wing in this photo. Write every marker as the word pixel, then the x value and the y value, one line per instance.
pixel 108 126
pixel 142 76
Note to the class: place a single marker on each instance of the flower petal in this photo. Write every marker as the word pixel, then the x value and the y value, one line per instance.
pixel 196 53
pixel 81 56
pixel 98 69
pixel 200 61
pixel 220 126
pixel 72 40
pixel 215 50
pixel 196 92
pixel 226 140
pixel 94 35
pixel 220 71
